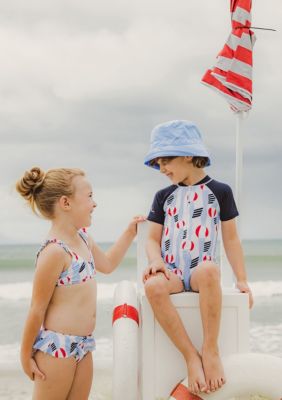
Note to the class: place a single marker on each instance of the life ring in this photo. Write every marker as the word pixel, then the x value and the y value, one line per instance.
pixel 125 342
pixel 246 374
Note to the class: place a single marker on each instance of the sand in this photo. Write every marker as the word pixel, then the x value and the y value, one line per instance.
pixel 14 385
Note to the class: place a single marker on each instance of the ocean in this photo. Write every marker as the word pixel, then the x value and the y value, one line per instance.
pixel 264 266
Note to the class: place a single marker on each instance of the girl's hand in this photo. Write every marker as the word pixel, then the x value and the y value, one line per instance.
pixel 132 227
pixel 153 268
pixel 31 369
pixel 244 288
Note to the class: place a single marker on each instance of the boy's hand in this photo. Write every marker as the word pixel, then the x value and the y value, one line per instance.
pixel 244 288
pixel 132 227
pixel 153 268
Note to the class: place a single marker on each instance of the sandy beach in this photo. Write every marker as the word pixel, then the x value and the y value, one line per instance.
pixel 15 289
pixel 14 385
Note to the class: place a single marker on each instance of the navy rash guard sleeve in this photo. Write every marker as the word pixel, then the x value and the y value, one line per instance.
pixel 157 213
pixel 228 208
pixel 222 191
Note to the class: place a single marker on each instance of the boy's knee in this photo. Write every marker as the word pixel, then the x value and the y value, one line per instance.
pixel 155 287
pixel 210 272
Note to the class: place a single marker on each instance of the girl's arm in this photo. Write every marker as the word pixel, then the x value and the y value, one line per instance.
pixel 108 261
pixel 234 253
pixel 50 264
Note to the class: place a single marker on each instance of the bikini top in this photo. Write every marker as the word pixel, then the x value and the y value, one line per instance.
pixel 79 270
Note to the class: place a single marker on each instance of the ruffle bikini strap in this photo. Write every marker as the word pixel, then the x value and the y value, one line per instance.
pixel 83 234
pixel 55 241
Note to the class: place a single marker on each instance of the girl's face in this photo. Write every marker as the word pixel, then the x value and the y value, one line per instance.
pixel 176 169
pixel 81 203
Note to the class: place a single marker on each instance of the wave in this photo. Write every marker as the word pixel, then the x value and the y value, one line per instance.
pixel 266 339
pixel 10 354
pixel 105 291
pixel 16 291
pixel 266 288
pixel 23 290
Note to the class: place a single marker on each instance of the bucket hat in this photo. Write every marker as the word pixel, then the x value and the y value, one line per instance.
pixel 175 138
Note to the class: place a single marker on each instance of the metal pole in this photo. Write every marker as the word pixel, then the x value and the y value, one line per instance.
pixel 227 276
pixel 239 167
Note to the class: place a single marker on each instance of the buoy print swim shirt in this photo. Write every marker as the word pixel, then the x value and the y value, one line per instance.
pixel 190 216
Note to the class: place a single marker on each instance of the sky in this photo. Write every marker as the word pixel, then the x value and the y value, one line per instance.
pixel 84 82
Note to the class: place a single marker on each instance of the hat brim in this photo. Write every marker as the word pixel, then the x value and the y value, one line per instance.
pixel 172 151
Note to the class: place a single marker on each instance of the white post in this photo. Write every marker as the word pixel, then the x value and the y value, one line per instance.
pixel 227 277
pixel 239 166
pixel 142 229
pixel 226 271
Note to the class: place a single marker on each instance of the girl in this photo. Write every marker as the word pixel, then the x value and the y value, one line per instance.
pixel 57 343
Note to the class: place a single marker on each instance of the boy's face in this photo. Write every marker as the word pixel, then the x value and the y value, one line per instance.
pixel 177 169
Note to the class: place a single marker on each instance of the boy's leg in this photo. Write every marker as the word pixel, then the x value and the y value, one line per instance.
pixel 158 288
pixel 59 374
pixel 205 279
pixel 82 381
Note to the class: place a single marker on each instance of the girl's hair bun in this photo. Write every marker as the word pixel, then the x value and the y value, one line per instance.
pixel 43 190
pixel 29 185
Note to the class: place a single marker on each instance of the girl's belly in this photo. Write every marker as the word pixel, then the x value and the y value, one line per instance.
pixel 72 309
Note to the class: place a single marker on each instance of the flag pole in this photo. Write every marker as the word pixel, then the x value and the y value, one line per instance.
pixel 239 167
pixel 227 275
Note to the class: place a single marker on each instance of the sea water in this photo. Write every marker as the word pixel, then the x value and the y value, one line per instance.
pixel 264 265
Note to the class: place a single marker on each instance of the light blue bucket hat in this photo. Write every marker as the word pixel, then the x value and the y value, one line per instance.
pixel 175 138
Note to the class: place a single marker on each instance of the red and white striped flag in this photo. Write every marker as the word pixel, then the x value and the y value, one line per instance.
pixel 232 74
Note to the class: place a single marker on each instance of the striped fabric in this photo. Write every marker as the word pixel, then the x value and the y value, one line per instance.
pixel 232 74
pixel 192 215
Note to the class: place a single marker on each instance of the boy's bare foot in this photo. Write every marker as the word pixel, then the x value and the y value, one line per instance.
pixel 213 368
pixel 196 376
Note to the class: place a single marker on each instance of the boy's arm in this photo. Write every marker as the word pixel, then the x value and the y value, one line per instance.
pixel 234 253
pixel 153 248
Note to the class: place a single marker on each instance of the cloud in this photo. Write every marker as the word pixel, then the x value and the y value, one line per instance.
pixel 83 84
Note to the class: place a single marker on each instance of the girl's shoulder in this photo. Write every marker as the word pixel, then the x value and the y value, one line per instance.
pixel 50 261
pixel 53 248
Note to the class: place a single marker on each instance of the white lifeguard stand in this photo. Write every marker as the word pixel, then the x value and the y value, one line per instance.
pixel 161 366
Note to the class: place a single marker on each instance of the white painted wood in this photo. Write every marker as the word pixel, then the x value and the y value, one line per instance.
pixel 227 276
pixel 141 252
pixel 162 366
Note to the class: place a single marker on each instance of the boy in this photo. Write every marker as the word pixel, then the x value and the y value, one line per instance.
pixel 181 246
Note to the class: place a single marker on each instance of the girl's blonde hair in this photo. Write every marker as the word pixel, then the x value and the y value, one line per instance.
pixel 42 190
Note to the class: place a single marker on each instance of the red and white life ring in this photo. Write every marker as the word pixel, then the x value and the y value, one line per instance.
pixel 246 375
pixel 125 342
